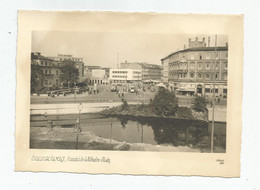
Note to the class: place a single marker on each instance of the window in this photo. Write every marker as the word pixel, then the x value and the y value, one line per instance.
pixel 192 75
pixel 199 75
pixel 207 65
pixel 224 90
pixel 216 90
pixel 49 71
pixel 46 63
pixel 200 57
pixel 41 62
pixel 207 90
pixel 46 72
pixel 192 65
pixel 217 65
pixel 216 75
pixel 46 82
pixel 225 65
pixel 57 72
pixel 50 83
pixel 217 55
pixel 57 81
pixel 225 76
pixel 208 56
pixel 207 75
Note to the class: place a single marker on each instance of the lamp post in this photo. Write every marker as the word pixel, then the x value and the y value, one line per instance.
pixel 213 106
pixel 78 125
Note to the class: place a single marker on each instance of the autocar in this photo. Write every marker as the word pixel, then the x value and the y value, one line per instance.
pixel 132 89
pixel 113 88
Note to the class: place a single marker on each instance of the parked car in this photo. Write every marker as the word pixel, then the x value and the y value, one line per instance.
pixel 132 89
pixel 113 88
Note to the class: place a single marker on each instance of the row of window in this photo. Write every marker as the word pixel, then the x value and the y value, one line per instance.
pixel 200 65
pixel 46 63
pixel 46 82
pixel 120 72
pixel 73 59
pixel 200 75
pixel 209 90
pixel 46 72
pixel 201 56
pixel 119 76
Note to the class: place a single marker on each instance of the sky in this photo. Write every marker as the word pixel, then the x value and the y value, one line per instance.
pixel 106 49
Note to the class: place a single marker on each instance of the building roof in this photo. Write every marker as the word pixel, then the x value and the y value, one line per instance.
pixel 220 48
pixel 143 64
pixel 92 67
pixel 35 57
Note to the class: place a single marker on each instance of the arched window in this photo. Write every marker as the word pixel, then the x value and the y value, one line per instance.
pixel 192 75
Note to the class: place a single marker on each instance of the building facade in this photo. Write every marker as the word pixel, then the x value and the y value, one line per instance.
pixel 79 64
pixel 49 68
pixel 96 74
pixel 149 71
pixel 193 70
pixel 121 76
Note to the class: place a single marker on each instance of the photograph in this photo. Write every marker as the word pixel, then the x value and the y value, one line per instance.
pixel 104 92
pixel 128 92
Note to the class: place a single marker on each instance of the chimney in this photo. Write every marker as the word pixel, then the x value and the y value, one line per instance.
pixel 125 61
pixel 203 39
pixel 189 41
pixel 184 46
pixel 226 44
pixel 196 39
pixel 208 41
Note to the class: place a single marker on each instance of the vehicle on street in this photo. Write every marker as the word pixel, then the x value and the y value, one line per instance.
pixel 132 89
pixel 113 88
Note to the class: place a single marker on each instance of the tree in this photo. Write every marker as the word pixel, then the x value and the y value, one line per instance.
pixel 69 73
pixel 199 103
pixel 36 77
pixel 165 103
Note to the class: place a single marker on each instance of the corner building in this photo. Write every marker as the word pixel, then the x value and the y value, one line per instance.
pixel 191 70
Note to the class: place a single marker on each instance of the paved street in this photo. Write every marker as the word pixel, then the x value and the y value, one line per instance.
pixel 105 95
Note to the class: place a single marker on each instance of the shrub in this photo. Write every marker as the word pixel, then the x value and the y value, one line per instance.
pixel 124 105
pixel 165 103
pixel 184 112
pixel 199 103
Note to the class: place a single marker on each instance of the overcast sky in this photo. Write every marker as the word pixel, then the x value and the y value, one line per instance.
pixel 102 48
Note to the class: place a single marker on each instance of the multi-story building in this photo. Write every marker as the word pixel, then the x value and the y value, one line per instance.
pixel 96 74
pixel 50 69
pixel 122 76
pixel 149 71
pixel 192 70
pixel 79 64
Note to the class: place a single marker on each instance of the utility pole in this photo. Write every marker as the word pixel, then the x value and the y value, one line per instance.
pixel 111 133
pixel 213 106
pixel 78 126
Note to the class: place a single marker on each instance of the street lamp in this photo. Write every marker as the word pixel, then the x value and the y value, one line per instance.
pixel 78 128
